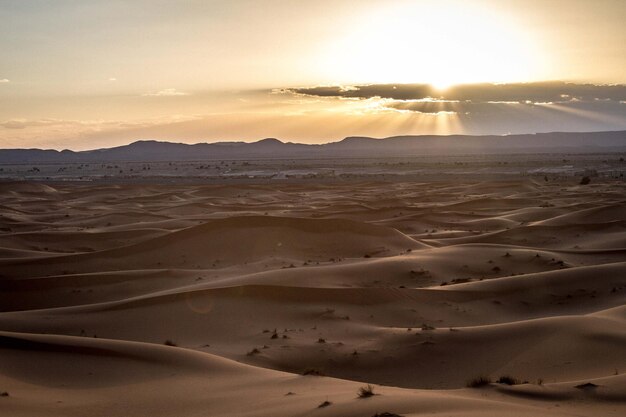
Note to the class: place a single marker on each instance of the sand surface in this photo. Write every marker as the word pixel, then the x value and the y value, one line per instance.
pixel 269 299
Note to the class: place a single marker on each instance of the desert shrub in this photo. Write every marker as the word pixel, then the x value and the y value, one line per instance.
pixel 478 382
pixel 168 342
pixel 585 180
pixel 311 371
pixel 324 404
pixel 366 392
pixel 587 385
pixel 254 351
pixel 508 380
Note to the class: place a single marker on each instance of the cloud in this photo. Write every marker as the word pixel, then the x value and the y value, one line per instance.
pixel 50 123
pixel 484 101
pixel 14 124
pixel 24 123
pixel 426 106
pixel 4 80
pixel 168 92
pixel 538 92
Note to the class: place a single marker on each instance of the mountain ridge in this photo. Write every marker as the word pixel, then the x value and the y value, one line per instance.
pixel 351 146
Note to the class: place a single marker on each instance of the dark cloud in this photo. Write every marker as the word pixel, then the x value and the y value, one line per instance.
pixel 539 92
pixel 461 107
pixel 601 114
pixel 394 91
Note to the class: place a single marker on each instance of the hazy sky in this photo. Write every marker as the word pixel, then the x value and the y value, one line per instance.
pixel 89 73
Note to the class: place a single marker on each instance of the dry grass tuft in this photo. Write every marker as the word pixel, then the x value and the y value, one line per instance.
pixel 366 392
pixel 479 382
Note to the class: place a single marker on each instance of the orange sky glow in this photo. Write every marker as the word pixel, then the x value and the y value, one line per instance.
pixel 90 74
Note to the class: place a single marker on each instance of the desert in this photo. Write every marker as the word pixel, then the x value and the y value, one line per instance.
pixel 333 208
pixel 469 295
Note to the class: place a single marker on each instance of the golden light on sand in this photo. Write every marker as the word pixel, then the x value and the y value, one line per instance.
pixel 442 44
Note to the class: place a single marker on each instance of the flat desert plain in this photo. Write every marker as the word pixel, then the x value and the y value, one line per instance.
pixel 284 298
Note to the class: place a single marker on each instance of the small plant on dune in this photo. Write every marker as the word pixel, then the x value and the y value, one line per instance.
pixel 585 180
pixel 586 386
pixel 324 404
pixel 4 394
pixel 508 380
pixel 168 342
pixel 386 414
pixel 311 371
pixel 321 340
pixel 366 392
pixel 479 382
pixel 419 272
pixel 253 352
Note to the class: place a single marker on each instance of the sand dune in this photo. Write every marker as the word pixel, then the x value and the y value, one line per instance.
pixel 215 299
pixel 122 377
pixel 73 242
pixel 235 240
pixel 606 235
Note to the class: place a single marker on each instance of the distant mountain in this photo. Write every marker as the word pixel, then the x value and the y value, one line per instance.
pixel 357 147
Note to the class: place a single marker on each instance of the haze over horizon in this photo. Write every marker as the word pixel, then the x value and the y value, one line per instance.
pixel 85 75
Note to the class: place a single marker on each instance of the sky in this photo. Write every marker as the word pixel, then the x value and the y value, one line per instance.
pixel 84 74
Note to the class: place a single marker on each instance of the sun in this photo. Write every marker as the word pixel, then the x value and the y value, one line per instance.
pixel 441 84
pixel 441 43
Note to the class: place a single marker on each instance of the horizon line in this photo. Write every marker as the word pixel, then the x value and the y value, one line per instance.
pixel 243 142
